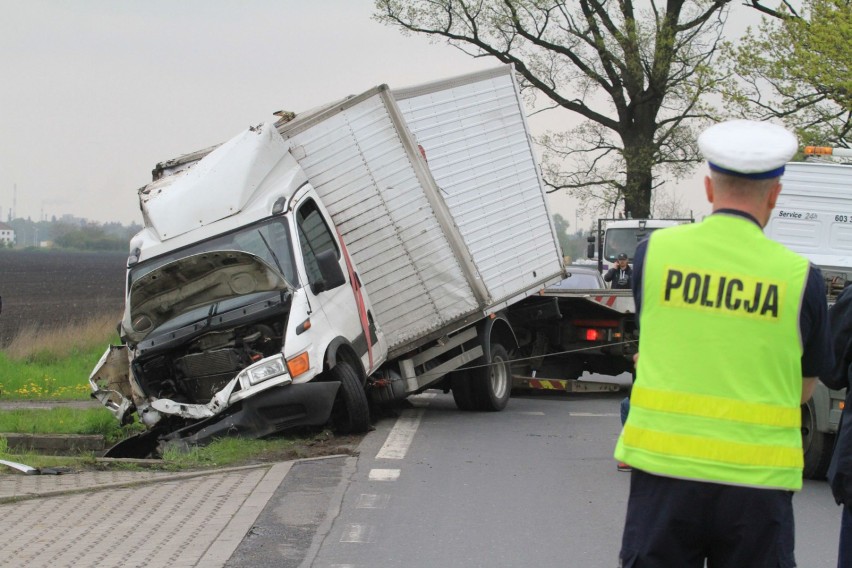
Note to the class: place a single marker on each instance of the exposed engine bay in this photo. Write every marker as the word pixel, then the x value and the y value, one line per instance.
pixel 194 372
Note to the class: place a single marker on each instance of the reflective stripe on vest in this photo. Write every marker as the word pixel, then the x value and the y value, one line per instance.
pixel 719 375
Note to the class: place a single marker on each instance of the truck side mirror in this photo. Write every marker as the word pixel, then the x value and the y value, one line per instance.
pixel 590 250
pixel 332 274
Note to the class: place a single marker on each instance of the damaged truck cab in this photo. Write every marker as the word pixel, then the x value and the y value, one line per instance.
pixel 238 295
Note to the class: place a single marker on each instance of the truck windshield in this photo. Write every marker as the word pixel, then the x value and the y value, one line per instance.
pixel 624 240
pixel 268 240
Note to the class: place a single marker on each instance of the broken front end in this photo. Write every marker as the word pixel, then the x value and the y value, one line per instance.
pixel 203 353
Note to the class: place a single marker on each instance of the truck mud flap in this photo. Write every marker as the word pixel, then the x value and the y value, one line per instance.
pixel 137 446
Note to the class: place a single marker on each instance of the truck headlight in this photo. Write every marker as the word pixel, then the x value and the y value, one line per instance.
pixel 265 370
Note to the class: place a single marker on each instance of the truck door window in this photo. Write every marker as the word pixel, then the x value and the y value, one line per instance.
pixel 314 237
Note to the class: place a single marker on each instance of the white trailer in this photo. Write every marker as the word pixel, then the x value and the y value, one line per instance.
pixel 368 247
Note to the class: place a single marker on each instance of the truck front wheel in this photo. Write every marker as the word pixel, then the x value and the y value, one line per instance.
pixel 351 411
pixel 817 446
pixel 491 385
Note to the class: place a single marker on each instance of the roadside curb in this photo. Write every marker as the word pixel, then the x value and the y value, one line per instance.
pixel 58 444
pixel 150 480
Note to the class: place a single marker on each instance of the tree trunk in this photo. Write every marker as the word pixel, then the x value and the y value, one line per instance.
pixel 639 180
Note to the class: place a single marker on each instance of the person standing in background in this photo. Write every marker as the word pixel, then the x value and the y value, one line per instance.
pixel 621 275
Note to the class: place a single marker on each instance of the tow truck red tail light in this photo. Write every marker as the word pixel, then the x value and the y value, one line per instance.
pixel 593 335
pixel 597 329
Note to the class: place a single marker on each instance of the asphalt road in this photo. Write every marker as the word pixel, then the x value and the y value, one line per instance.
pixel 534 485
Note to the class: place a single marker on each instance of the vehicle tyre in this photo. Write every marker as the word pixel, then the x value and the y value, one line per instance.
pixel 492 384
pixel 351 411
pixel 460 383
pixel 817 446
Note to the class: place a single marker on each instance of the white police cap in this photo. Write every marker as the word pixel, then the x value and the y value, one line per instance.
pixel 746 148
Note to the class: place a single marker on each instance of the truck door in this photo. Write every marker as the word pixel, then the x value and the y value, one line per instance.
pixel 344 307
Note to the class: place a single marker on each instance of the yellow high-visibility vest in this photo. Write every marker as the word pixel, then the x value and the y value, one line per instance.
pixel 719 378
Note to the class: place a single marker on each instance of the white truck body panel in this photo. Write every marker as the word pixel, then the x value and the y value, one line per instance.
pixel 813 215
pixel 474 134
pixel 356 162
pixel 191 204
pixel 218 187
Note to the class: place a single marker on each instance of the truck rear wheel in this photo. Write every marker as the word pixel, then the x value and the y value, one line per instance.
pixel 351 411
pixel 460 382
pixel 817 446
pixel 491 385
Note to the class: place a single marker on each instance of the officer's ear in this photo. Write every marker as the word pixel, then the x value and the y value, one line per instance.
pixel 772 196
pixel 708 188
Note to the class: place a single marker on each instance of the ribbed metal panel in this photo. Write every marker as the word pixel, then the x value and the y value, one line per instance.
pixel 813 214
pixel 358 164
pixel 480 155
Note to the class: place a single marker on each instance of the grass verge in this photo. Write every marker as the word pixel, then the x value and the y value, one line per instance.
pixel 239 451
pixel 54 364
pixel 32 459
pixel 221 453
pixel 65 421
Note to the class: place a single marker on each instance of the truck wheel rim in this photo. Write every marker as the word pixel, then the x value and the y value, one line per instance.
pixel 499 377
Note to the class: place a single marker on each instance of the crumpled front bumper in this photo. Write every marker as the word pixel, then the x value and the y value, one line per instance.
pixel 268 412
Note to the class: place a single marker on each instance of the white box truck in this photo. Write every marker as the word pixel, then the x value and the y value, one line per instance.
pixel 365 249
pixel 813 216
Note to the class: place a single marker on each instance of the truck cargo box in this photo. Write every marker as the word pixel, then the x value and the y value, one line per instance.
pixel 442 243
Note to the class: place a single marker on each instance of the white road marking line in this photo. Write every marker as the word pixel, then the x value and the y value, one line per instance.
pixel 532 413
pixel 400 437
pixel 590 414
pixel 370 501
pixel 357 533
pixel 384 474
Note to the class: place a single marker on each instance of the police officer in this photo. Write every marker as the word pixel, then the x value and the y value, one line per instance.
pixel 620 275
pixel 733 335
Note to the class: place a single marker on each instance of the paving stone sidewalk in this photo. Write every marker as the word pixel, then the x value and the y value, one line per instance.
pixel 142 518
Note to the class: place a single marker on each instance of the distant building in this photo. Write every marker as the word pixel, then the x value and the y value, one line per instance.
pixel 7 235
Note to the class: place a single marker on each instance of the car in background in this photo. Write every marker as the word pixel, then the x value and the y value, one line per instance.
pixel 580 277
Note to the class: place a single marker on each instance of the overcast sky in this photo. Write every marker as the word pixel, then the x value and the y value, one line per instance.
pixel 95 92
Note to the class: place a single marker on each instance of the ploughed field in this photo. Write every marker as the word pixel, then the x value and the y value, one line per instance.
pixel 54 288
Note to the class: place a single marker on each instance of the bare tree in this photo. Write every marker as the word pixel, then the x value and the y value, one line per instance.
pixel 636 74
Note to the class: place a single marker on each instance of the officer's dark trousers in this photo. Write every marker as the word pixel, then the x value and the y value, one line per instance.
pixel 844 556
pixel 678 523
